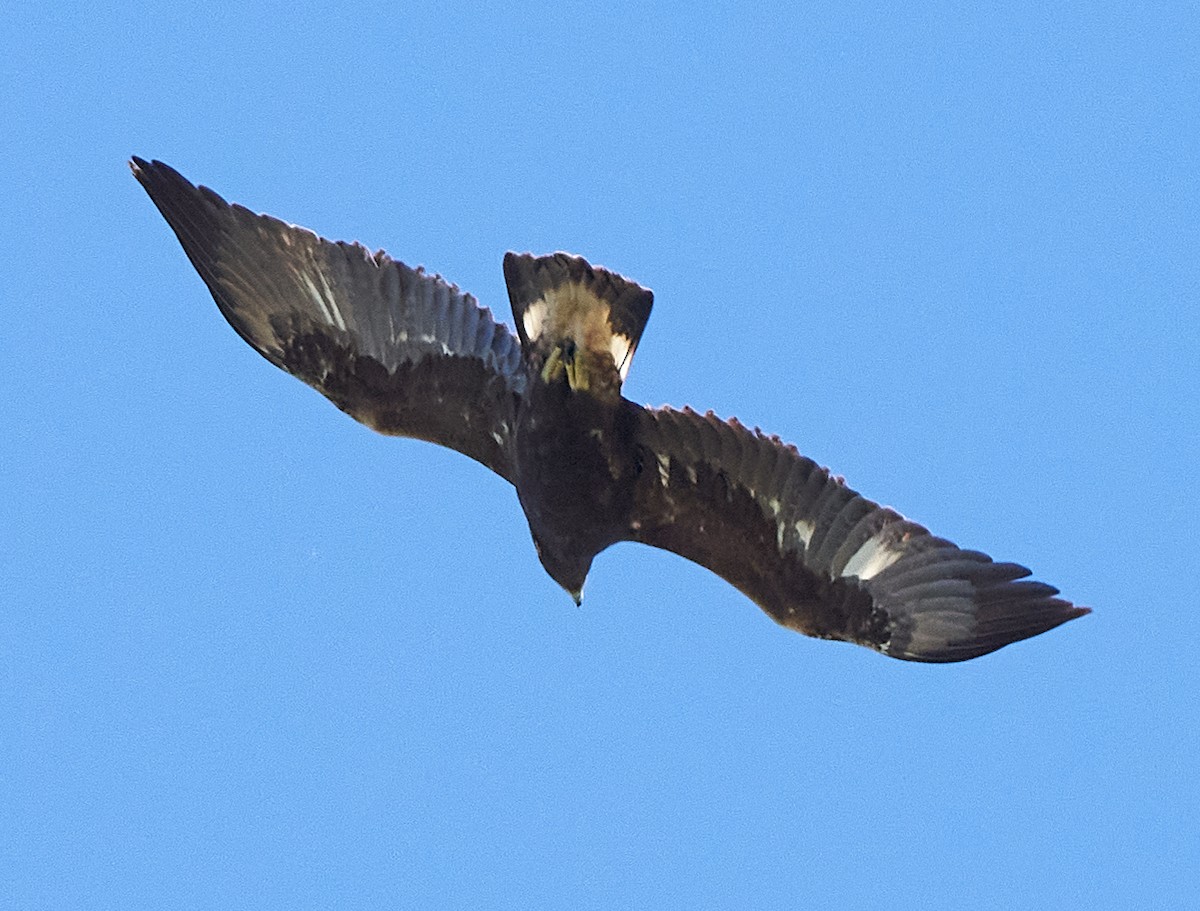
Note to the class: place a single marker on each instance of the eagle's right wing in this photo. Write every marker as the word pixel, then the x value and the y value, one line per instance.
pixel 818 557
pixel 396 348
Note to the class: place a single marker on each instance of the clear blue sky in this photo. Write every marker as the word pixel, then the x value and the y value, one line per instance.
pixel 254 656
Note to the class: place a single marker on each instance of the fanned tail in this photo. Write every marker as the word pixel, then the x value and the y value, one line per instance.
pixel 563 296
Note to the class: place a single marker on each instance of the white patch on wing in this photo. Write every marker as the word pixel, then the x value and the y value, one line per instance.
pixel 315 295
pixel 324 300
pixel 871 559
pixel 804 531
pixel 664 468
pixel 332 304
pixel 534 319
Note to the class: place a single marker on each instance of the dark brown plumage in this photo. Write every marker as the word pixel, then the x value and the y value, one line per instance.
pixel 408 354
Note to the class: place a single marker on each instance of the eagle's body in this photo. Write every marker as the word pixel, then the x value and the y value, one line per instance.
pixel 575 446
pixel 575 476
pixel 410 355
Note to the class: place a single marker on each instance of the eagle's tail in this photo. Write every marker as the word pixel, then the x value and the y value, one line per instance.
pixel 562 296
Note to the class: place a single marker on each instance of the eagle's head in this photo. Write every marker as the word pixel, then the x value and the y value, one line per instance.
pixel 567 566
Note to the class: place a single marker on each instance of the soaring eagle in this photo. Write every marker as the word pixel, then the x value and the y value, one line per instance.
pixel 409 354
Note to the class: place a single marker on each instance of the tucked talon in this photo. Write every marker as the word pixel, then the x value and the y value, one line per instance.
pixel 554 366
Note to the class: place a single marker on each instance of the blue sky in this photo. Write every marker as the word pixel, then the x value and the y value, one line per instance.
pixel 254 656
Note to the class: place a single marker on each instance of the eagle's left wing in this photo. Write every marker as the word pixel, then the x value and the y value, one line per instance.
pixel 401 350
pixel 815 555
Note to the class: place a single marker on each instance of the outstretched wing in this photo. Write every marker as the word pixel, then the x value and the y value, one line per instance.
pixel 398 349
pixel 815 555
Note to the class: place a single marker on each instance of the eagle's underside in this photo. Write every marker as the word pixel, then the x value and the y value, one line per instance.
pixel 408 354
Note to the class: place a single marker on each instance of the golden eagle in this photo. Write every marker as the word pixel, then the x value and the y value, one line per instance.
pixel 409 354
